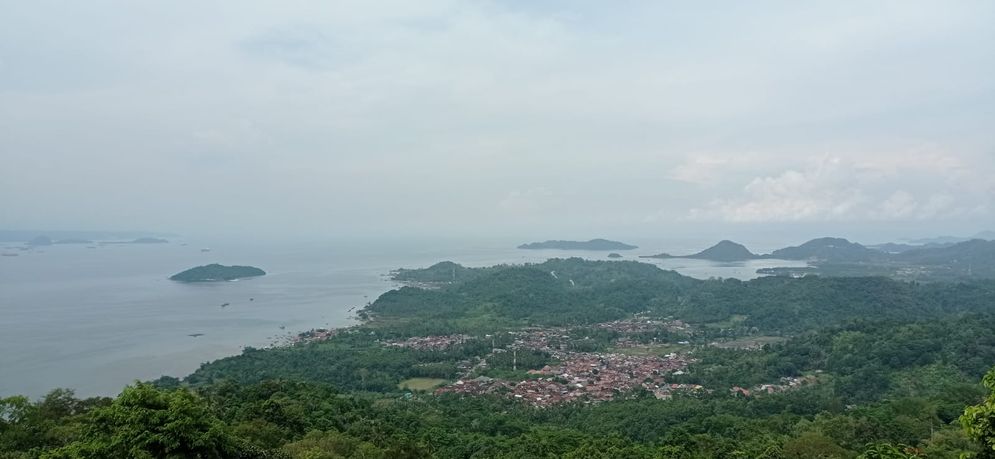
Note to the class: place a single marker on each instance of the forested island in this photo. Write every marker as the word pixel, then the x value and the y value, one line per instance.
pixel 215 272
pixel 593 244
pixel 574 358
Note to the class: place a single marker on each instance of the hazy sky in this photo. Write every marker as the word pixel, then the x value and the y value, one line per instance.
pixel 540 119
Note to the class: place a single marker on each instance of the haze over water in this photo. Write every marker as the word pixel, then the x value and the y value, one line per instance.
pixel 97 319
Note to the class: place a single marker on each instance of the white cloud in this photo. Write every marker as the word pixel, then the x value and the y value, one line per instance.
pixel 344 109
pixel 837 189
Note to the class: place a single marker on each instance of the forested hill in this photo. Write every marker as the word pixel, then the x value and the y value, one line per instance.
pixel 574 291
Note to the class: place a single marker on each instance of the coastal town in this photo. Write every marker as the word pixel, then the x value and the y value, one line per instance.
pixel 629 365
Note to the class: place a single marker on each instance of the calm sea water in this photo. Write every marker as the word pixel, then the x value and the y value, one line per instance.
pixel 96 319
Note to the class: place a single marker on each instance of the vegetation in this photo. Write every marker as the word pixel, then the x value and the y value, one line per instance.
pixel 216 272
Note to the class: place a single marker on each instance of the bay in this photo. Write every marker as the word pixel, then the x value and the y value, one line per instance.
pixel 96 319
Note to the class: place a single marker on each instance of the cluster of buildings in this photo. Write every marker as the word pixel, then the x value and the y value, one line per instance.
pixel 589 377
pixel 316 334
pixel 542 339
pixel 429 343
pixel 584 376
pixel 639 325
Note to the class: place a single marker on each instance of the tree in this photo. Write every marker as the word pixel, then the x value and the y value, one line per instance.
pixel 979 420
pixel 145 422
pixel 889 451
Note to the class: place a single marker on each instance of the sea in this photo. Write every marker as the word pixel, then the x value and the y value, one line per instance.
pixel 96 317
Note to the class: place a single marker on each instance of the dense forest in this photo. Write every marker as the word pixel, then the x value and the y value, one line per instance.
pixel 892 369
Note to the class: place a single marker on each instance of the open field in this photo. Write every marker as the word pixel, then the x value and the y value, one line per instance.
pixel 650 349
pixel 733 321
pixel 751 342
pixel 420 383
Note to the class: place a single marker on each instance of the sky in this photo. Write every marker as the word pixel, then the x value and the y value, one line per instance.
pixel 545 119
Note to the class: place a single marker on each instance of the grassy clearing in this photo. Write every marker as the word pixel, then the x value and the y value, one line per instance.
pixel 420 383
pixel 751 342
pixel 733 321
pixel 650 349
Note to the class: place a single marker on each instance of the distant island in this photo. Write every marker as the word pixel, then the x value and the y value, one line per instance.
pixel 149 240
pixel 215 272
pixel 723 251
pixel 614 255
pixel 593 244
pixel 40 240
pixel 73 241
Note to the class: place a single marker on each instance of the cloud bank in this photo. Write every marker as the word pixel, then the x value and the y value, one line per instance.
pixel 493 117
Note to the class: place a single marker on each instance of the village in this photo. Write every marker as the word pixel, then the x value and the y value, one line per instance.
pixel 574 376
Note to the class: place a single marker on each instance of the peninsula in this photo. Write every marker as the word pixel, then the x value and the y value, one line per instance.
pixel 593 244
pixel 215 272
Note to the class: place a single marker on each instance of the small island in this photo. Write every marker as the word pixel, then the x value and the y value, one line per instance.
pixel 215 273
pixel 593 244
pixel 614 255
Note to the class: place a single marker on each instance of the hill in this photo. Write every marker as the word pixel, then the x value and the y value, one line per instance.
pixel 593 244
pixel 723 251
pixel 443 272
pixel 215 272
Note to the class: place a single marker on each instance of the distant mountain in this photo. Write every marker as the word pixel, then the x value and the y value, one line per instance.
pixel 894 248
pixel 828 249
pixel 593 244
pixel 976 251
pixel 723 251
pixel 940 240
pixel 985 235
pixel 216 272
